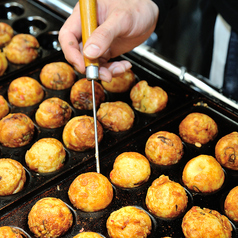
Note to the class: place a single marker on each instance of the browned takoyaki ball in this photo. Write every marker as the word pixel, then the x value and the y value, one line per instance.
pixel 6 33
pixel 81 94
pixel 166 198
pixel 10 232
pixel 121 83
pixel 116 116
pixel 198 128
pixel 46 155
pixel 203 174
pixel 24 92
pixel 4 108
pixel 164 148
pixel 50 217
pixel 78 133
pixel 148 99
pixel 53 113
pixel 226 151
pixel 205 222
pixel 128 222
pixel 22 49
pixel 3 63
pixel 13 177
pixel 57 76
pixel 16 130
pixel 90 192
pixel 88 234
pixel 231 204
pixel 130 169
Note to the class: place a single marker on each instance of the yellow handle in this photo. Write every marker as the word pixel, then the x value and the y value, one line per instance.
pixel 88 12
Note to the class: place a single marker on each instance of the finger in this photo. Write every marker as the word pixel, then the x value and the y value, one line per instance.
pixel 109 70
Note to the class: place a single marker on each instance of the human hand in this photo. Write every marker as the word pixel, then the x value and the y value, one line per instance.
pixel 123 25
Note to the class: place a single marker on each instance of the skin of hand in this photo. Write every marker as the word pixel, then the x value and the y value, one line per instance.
pixel 122 25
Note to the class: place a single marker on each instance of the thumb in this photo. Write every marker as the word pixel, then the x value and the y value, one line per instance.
pixel 101 39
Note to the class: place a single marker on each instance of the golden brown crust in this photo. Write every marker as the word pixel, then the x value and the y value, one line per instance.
pixel 22 49
pixel 164 148
pixel 148 99
pixel 6 33
pixel 78 133
pixel 129 222
pixel 16 130
pixel 46 155
pixel 50 217
pixel 88 234
pixel 121 83
pixel 4 108
pixel 130 170
pixel 3 63
pixel 226 151
pixel 53 113
pixel 231 204
pixel 81 94
pixel 12 176
pixel 203 174
pixel 24 92
pixel 198 223
pixel 9 232
pixel 90 192
pixel 166 198
pixel 116 116
pixel 57 76
pixel 198 128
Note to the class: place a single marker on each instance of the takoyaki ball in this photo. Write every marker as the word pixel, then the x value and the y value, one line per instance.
pixel 121 83
pixel 226 151
pixel 3 63
pixel 4 108
pixel 16 130
pixel 78 133
pixel 130 169
pixel 6 34
pixel 22 49
pixel 50 217
pixel 81 94
pixel 203 174
pixel 116 116
pixel 166 198
pixel 88 234
pixel 231 204
pixel 25 92
pixel 10 232
pixel 53 113
pixel 198 129
pixel 164 148
pixel 148 99
pixel 128 222
pixel 90 192
pixel 13 176
pixel 198 223
pixel 46 155
pixel 57 76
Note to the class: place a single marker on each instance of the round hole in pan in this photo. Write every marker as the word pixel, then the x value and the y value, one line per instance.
pixel 31 25
pixel 49 40
pixel 11 10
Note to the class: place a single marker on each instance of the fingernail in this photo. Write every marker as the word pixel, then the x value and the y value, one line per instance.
pixel 128 65
pixel 118 70
pixel 92 51
pixel 103 77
